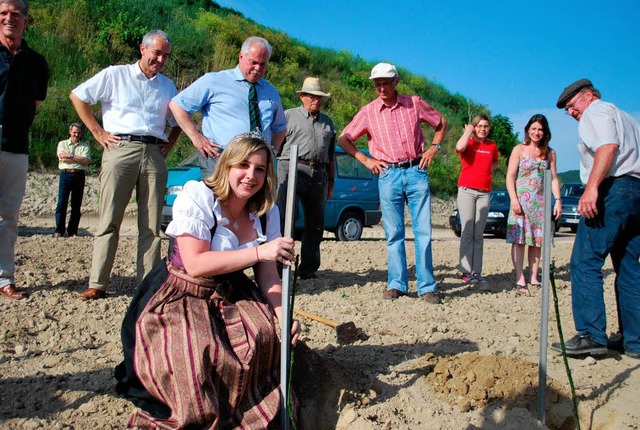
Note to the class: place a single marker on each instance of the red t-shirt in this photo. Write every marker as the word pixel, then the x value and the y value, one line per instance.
pixel 476 160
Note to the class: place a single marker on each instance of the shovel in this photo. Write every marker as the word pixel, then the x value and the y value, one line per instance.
pixel 345 332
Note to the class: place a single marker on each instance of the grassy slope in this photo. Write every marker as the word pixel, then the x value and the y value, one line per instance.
pixel 80 37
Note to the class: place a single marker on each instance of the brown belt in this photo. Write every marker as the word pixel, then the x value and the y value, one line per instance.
pixel 312 164
pixel 72 170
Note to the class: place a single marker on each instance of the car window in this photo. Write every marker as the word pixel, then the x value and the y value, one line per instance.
pixel 572 190
pixel 348 167
pixel 499 197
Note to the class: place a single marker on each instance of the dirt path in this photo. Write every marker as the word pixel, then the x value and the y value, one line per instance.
pixel 469 363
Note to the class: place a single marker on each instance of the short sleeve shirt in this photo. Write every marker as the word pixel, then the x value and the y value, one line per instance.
pixel 23 81
pixel 315 136
pixel 603 123
pixel 81 149
pixel 394 133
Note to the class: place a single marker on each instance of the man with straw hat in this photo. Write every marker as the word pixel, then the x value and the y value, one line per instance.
pixel 315 135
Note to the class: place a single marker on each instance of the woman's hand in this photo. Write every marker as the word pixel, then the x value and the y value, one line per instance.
pixel 557 209
pixel 515 206
pixel 280 249
pixel 296 328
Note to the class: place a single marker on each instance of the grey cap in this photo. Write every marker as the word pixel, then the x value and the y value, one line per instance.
pixel 571 91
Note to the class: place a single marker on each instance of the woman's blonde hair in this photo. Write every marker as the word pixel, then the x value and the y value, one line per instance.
pixel 236 152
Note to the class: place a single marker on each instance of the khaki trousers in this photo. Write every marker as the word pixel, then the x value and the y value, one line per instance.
pixel 129 166
pixel 13 182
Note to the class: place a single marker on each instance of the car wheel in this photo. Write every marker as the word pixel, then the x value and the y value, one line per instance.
pixel 349 227
pixel 574 228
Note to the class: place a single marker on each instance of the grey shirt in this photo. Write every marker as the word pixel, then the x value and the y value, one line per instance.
pixel 603 123
pixel 315 137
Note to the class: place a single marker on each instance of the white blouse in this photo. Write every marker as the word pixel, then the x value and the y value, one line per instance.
pixel 193 212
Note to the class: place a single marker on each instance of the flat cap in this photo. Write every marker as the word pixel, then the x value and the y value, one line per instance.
pixel 571 91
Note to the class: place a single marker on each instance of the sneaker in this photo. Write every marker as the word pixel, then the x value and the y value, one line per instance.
pixel 581 345
pixel 479 278
pixel 469 278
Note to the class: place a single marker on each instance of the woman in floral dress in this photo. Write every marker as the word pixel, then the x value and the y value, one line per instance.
pixel 525 177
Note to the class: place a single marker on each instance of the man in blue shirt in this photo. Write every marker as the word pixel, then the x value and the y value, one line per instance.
pixel 223 97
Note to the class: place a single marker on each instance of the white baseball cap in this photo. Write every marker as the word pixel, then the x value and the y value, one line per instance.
pixel 383 70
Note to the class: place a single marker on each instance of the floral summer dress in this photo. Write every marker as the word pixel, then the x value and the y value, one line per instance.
pixel 527 229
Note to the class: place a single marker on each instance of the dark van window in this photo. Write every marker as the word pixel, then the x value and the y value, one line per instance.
pixel 348 167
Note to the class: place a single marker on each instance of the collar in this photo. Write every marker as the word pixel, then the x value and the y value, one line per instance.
pixel 307 114
pixel 140 74
pixel 23 47
pixel 238 76
pixel 399 101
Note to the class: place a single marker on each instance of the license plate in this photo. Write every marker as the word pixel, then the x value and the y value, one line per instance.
pixel 573 221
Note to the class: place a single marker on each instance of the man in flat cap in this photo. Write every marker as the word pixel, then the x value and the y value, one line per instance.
pixel 401 157
pixel 610 220
pixel 315 135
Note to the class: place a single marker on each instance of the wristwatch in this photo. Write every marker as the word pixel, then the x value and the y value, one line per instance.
pixel 437 146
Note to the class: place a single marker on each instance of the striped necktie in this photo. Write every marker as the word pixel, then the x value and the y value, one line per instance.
pixel 254 112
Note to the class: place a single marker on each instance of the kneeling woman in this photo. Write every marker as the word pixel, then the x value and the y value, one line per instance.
pixel 206 347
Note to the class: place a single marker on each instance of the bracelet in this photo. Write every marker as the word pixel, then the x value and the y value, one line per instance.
pixel 257 258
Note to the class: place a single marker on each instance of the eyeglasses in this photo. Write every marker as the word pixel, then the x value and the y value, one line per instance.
pixel 482 126
pixel 572 104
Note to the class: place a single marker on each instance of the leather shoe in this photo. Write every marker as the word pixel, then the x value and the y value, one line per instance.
pixel 392 294
pixel 13 293
pixel 93 294
pixel 581 345
pixel 432 298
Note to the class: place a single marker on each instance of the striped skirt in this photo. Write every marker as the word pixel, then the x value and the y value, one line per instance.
pixel 213 361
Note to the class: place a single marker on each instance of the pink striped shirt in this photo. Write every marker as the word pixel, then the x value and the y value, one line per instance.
pixel 394 133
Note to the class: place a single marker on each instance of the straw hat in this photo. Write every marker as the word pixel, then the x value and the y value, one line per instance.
pixel 312 86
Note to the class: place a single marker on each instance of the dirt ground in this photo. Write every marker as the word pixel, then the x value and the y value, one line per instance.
pixel 470 363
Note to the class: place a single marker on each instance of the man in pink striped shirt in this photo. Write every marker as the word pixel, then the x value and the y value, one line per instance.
pixel 392 123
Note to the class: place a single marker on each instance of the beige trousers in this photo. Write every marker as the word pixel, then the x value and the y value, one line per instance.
pixel 129 166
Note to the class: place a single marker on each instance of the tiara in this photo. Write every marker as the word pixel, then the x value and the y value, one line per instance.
pixel 253 134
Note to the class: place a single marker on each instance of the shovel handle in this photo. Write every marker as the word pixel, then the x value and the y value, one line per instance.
pixel 315 318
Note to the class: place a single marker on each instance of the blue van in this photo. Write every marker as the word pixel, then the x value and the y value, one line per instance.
pixel 355 203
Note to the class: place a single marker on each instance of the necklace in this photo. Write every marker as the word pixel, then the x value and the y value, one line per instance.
pixel 234 220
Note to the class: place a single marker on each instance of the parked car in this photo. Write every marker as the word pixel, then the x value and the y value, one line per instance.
pixel 355 203
pixel 496 220
pixel 570 194
pixel 499 203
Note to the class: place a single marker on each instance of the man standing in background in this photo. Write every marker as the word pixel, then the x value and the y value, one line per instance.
pixel 315 135
pixel 24 76
pixel 610 220
pixel 232 101
pixel 392 122
pixel 135 111
pixel 73 162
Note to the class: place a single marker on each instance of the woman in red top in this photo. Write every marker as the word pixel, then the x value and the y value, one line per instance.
pixel 479 157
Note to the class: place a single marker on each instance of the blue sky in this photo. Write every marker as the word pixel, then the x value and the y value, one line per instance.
pixel 510 56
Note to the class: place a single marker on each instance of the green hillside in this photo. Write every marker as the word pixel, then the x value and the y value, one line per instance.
pixel 80 37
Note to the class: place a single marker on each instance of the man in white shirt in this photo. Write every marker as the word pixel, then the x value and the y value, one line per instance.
pixel 609 146
pixel 135 112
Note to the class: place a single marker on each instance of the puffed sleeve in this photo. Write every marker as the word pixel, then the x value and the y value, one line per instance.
pixel 193 212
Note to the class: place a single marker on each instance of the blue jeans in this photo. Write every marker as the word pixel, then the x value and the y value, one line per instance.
pixel 410 186
pixel 615 231
pixel 70 184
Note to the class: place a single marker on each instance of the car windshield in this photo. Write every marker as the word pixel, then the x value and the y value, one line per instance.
pixel 572 190
pixel 500 197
